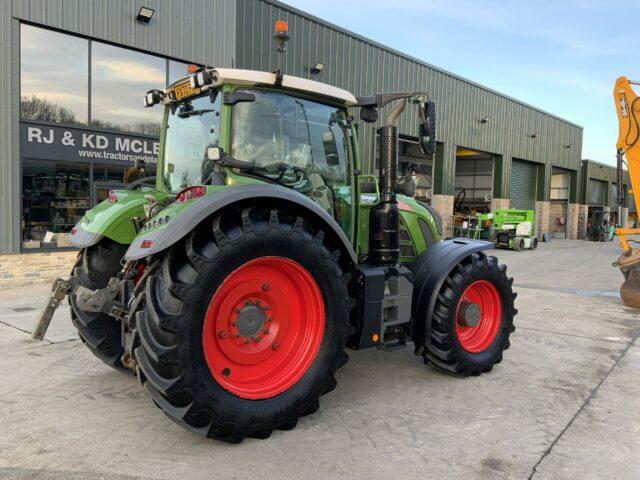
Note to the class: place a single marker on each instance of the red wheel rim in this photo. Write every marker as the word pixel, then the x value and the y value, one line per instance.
pixel 483 295
pixel 263 327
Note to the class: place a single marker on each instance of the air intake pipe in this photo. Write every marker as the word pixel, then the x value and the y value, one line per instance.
pixel 384 242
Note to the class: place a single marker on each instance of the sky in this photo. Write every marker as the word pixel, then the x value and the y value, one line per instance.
pixel 561 56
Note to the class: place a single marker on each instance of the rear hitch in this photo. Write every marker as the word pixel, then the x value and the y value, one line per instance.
pixel 61 288
pixel 100 300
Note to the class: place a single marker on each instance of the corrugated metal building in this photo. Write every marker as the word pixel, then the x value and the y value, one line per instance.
pixel 599 191
pixel 491 145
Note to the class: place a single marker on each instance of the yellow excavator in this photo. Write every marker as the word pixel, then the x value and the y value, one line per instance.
pixel 628 151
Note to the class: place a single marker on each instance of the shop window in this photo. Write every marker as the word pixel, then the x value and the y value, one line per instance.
pixel 119 79
pixel 53 76
pixel 55 196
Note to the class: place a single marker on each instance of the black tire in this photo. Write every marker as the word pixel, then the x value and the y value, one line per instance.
pixel 170 359
pixel 534 243
pixel 443 348
pixel 101 333
pixel 517 244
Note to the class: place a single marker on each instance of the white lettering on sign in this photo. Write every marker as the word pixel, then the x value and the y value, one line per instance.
pixel 136 146
pixel 34 134
pixel 102 142
pixel 122 144
pixel 87 140
pixel 106 146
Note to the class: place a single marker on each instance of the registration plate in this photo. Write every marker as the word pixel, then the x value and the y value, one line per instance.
pixel 184 90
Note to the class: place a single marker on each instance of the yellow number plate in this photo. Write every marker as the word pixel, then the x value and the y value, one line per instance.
pixel 184 90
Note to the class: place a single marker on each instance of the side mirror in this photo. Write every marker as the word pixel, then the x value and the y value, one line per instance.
pixel 368 114
pixel 427 128
pixel 214 154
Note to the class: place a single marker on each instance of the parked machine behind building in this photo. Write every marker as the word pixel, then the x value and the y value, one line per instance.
pixel 232 283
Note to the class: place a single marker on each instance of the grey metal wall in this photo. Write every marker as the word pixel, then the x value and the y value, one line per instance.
pixel 362 66
pixel 606 173
pixel 201 31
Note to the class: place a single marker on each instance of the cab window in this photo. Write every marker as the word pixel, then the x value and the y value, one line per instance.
pixel 276 129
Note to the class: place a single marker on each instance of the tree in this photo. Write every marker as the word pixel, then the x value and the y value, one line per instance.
pixel 36 108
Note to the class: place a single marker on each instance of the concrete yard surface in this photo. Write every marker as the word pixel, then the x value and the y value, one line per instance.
pixel 564 403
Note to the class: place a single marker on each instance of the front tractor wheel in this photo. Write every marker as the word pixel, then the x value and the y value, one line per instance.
pixel 473 317
pixel 243 325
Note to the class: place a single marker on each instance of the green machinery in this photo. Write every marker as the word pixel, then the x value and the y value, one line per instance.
pixel 601 227
pixel 513 229
pixel 232 282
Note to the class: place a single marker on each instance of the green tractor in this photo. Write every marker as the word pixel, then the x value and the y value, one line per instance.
pixel 232 283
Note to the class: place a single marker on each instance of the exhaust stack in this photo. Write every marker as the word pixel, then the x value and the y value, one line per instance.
pixel 384 241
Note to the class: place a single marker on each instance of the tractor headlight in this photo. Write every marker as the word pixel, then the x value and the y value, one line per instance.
pixel 200 78
pixel 152 97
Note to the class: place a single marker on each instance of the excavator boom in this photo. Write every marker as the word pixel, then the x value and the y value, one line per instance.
pixel 628 146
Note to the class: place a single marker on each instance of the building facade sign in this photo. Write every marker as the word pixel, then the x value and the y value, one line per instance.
pixel 57 142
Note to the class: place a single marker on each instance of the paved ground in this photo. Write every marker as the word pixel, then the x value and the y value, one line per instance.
pixel 565 403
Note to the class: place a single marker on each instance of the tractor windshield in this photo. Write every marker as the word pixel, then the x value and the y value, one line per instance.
pixel 191 127
pixel 297 141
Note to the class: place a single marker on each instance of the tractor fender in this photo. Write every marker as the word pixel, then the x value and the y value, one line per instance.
pixel 203 207
pixel 112 220
pixel 429 273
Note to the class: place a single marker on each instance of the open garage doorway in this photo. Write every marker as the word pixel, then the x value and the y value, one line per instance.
pixel 559 202
pixel 474 181
pixel 413 166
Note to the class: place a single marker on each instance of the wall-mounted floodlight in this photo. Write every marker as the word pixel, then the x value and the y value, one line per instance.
pixel 485 119
pixel 317 68
pixel 145 14
pixel 568 146
pixel 534 135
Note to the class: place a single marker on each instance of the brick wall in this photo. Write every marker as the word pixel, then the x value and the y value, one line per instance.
pixel 573 213
pixel 542 218
pixel 443 204
pixel 31 268
pixel 499 204
pixel 583 214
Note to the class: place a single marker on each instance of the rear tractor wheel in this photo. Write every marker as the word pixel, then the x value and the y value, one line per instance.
pixel 99 332
pixel 473 317
pixel 244 325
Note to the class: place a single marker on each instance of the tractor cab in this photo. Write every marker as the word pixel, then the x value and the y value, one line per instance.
pixel 239 128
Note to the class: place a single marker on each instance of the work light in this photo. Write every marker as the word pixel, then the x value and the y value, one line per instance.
pixel 145 14
pixel 153 97
pixel 200 78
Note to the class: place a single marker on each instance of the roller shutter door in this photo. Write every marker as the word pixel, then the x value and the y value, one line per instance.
pixel 522 186
pixel 596 192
